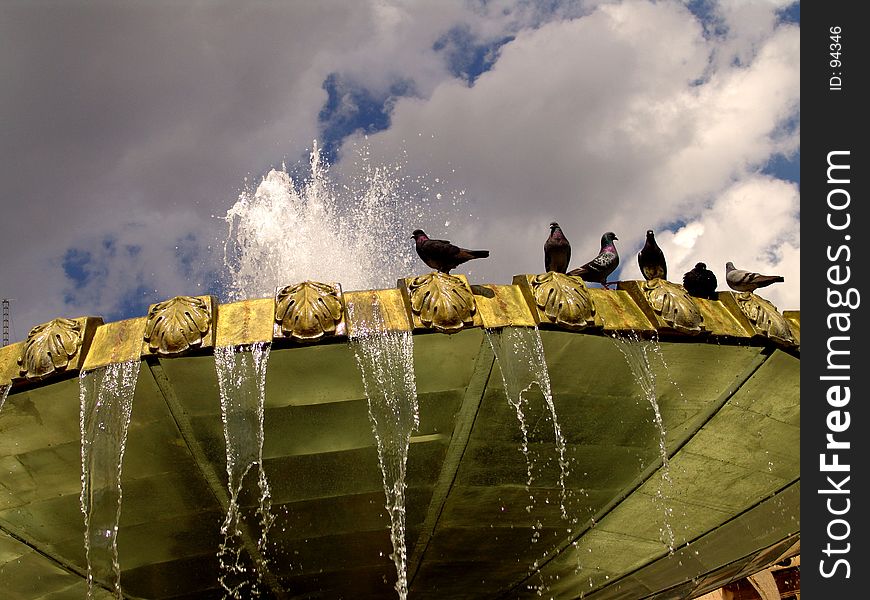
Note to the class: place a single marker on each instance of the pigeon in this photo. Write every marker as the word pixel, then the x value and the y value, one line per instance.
pixel 651 259
pixel 701 282
pixel 747 281
pixel 441 255
pixel 602 265
pixel 557 250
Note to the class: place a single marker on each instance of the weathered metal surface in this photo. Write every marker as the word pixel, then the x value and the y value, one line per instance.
pixel 246 322
pixel 731 413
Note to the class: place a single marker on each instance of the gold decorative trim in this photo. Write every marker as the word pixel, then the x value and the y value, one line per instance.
pixel 442 302
pixel 673 304
pixel 765 317
pixel 177 325
pixel 564 300
pixel 50 347
pixel 308 311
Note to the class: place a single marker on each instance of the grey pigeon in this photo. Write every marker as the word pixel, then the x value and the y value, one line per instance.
pixel 601 266
pixel 747 281
pixel 441 255
pixel 701 282
pixel 651 259
pixel 557 250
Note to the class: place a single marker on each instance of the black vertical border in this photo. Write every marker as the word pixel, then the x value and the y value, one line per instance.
pixel 832 119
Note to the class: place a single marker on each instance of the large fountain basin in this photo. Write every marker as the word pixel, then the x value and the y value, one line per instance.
pixel 728 395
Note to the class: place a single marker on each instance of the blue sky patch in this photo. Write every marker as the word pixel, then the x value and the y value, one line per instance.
pixel 467 58
pixel 790 14
pixel 77 265
pixel 351 107
pixel 133 303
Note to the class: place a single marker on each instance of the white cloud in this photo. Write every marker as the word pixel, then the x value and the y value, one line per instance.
pixel 592 116
pixel 599 123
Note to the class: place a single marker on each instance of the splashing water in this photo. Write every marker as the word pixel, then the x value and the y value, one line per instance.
pixel 519 352
pixel 106 399
pixel 241 377
pixel 4 391
pixel 386 362
pixel 357 234
pixel 637 354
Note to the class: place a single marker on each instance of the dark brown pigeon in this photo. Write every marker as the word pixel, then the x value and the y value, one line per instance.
pixel 600 267
pixel 747 281
pixel 557 250
pixel 651 259
pixel 701 282
pixel 441 255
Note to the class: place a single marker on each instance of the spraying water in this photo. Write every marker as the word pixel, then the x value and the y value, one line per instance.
pixel 637 354
pixel 285 231
pixel 106 396
pixel 386 361
pixel 4 391
pixel 242 383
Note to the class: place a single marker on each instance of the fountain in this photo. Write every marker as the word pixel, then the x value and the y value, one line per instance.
pixel 106 396
pixel 386 362
pixel 242 381
pixel 395 464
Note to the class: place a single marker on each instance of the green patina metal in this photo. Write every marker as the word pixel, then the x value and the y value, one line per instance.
pixel 728 393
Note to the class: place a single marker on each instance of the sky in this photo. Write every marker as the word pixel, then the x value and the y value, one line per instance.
pixel 131 128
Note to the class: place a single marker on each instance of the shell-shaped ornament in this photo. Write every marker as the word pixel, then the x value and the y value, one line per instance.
pixel 442 301
pixel 564 299
pixel 674 305
pixel 178 324
pixel 765 317
pixel 308 311
pixel 49 348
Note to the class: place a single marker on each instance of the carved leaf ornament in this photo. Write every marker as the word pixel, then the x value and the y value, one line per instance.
pixel 765 317
pixel 49 348
pixel 674 305
pixel 309 310
pixel 442 301
pixel 178 324
pixel 564 299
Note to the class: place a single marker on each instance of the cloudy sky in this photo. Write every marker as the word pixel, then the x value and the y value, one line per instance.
pixel 131 128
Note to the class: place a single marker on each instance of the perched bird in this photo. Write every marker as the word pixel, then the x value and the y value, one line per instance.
pixel 601 266
pixel 557 250
pixel 651 259
pixel 747 281
pixel 441 255
pixel 701 282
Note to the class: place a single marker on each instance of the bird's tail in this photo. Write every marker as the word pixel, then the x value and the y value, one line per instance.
pixel 479 253
pixel 767 280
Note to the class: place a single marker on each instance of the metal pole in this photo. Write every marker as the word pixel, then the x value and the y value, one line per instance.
pixel 5 321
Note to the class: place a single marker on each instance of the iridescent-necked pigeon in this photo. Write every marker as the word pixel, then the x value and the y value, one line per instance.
pixel 600 267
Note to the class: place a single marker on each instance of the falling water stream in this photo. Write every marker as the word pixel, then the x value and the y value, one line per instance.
pixel 637 353
pixel 519 352
pixel 386 362
pixel 106 396
pixel 241 374
pixel 4 391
